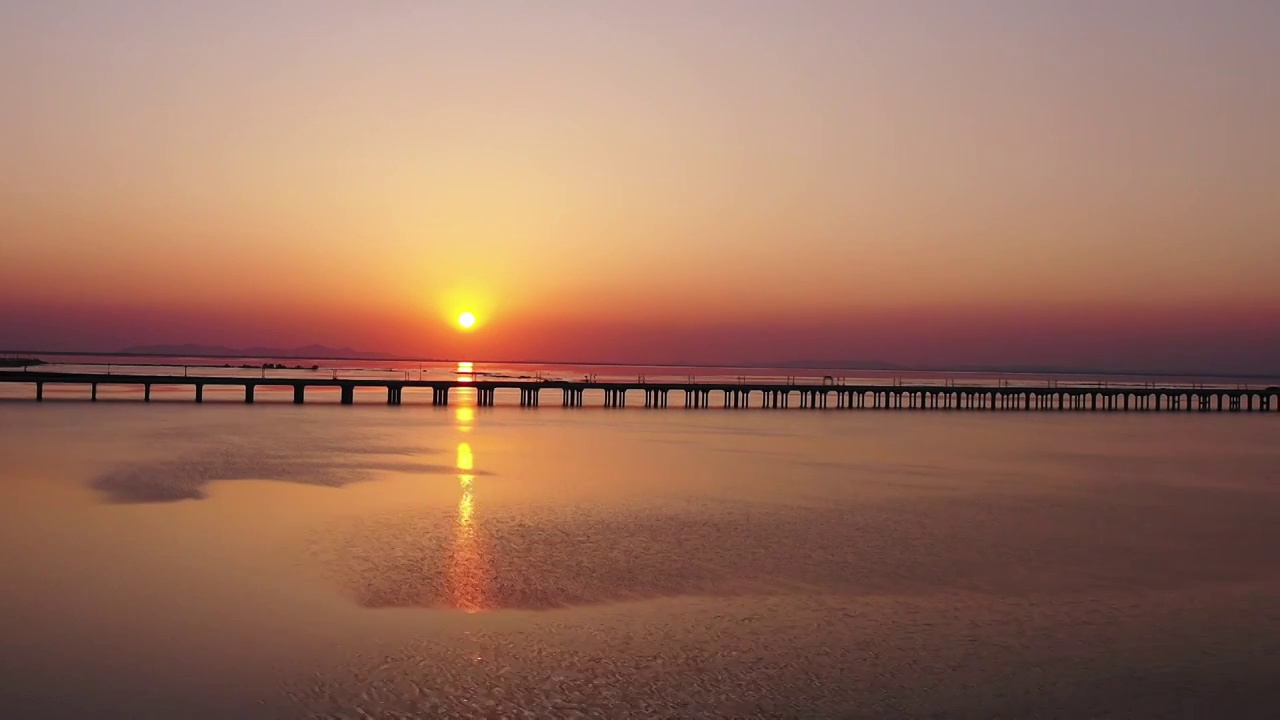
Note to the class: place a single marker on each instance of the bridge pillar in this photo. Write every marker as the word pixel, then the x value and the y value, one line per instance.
pixel 348 394
pixel 248 393
pixel 299 394
pixel 199 392
pixel 93 391
pixel 39 392
pixel 146 392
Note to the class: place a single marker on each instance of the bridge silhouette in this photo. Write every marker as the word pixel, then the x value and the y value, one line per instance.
pixel 740 393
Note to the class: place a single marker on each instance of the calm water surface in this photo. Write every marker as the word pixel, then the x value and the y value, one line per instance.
pixel 223 560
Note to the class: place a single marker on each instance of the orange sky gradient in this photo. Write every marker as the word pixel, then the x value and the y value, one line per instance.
pixel 1088 184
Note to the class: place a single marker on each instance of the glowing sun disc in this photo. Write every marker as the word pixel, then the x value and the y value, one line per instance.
pixel 467 320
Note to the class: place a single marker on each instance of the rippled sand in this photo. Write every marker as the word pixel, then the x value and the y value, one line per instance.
pixel 392 562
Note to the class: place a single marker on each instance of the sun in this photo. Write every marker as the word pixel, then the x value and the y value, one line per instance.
pixel 467 320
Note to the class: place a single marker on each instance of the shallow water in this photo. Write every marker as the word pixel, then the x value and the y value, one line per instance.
pixel 169 559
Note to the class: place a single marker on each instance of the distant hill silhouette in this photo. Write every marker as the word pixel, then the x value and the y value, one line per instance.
pixel 309 352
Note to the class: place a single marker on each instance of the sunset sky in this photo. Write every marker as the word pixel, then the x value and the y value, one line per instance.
pixel 950 182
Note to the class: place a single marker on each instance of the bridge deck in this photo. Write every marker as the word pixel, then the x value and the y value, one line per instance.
pixel 731 393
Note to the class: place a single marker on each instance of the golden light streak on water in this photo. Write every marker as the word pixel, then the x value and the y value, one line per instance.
pixel 468 567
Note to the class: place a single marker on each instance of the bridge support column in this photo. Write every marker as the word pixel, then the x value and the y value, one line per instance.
pixel 146 392
pixel 93 392
pixel 439 396
pixel 199 393
pixel 248 393
pixel 39 392
pixel 348 394
pixel 299 394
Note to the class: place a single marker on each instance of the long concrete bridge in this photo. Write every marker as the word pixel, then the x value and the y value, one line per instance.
pixel 728 394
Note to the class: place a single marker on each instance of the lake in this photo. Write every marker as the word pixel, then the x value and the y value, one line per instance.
pixel 175 560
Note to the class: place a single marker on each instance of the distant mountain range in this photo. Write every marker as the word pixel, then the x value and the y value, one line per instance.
pixel 309 352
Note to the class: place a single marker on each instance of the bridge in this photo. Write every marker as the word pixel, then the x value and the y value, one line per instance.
pixel 729 394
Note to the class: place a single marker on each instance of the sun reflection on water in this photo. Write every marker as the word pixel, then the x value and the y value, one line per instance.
pixel 466 372
pixel 468 568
